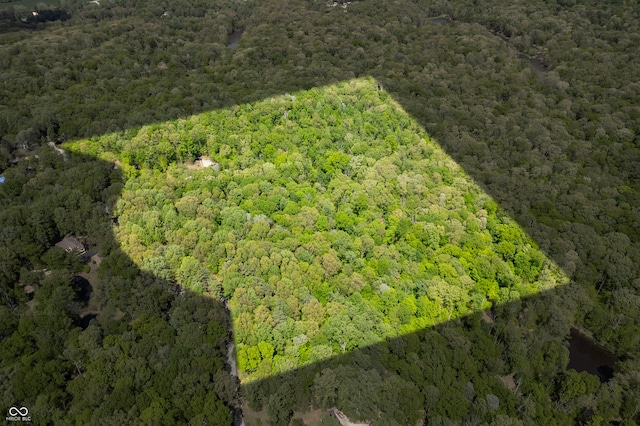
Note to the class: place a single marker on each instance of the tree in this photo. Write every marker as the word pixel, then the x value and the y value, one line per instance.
pixel 325 387
pixel 330 264
pixel 192 275
pixel 215 410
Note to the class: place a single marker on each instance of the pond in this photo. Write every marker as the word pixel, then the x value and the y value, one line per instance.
pixel 83 288
pixel 234 39
pixel 586 355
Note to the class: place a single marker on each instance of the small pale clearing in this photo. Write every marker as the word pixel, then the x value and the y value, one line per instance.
pixel 311 417
pixel 254 418
pixel 92 275
pixel 58 150
pixel 510 383
pixel 344 420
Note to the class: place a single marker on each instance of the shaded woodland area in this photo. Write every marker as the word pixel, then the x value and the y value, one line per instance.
pixel 556 149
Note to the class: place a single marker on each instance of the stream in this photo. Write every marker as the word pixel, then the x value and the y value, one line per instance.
pixel 537 66
pixel 232 369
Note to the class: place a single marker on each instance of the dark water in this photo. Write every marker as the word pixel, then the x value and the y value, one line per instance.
pixel 538 66
pixel 83 288
pixel 234 39
pixel 585 355
pixel 84 322
pixel 439 20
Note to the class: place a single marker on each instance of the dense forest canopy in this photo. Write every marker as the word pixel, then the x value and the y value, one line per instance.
pixel 118 356
pixel 537 102
pixel 328 219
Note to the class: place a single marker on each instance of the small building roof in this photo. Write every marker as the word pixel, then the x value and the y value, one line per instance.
pixel 206 162
pixel 69 244
pixel 1 179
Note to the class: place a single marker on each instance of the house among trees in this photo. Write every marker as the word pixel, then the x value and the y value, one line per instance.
pixel 207 162
pixel 70 244
pixel 204 163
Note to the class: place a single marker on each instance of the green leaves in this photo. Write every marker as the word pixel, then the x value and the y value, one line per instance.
pixel 323 245
pixel 192 275
pixel 339 248
pixel 335 162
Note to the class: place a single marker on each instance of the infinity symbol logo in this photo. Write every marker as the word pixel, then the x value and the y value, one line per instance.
pixel 22 411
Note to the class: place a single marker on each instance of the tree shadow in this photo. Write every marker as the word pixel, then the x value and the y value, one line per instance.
pixel 599 250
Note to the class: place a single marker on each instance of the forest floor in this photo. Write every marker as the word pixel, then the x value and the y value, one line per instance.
pixel 311 417
pixel 344 420
pixel 487 318
pixel 508 382
pixel 92 275
pixel 253 418
pixel 231 360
